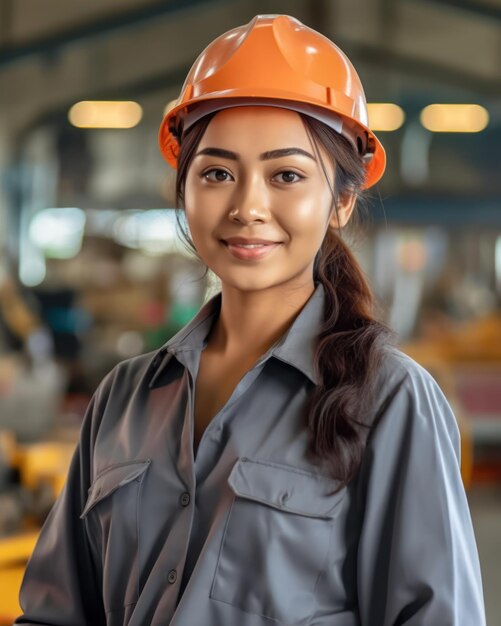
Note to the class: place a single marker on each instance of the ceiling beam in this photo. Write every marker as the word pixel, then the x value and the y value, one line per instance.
pixel 472 6
pixel 114 22
pixel 410 65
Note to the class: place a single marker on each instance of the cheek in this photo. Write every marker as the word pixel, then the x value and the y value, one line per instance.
pixel 190 196
pixel 307 215
pixel 200 227
pixel 195 209
pixel 204 208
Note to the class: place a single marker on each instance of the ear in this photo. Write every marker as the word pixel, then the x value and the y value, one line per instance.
pixel 345 208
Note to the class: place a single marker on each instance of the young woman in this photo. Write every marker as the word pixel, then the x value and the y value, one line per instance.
pixel 278 461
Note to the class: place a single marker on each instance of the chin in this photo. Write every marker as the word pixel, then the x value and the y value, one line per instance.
pixel 261 276
pixel 257 280
pixel 254 280
pixel 247 285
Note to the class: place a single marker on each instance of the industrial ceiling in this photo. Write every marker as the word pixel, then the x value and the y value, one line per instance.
pixel 411 52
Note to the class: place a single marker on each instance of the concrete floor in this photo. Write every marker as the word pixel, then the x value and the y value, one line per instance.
pixel 485 507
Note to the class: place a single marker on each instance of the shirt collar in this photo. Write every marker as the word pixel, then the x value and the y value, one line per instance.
pixel 296 346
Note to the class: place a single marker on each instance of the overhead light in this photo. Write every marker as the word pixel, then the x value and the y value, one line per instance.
pixel 105 114
pixel 384 116
pixel 454 118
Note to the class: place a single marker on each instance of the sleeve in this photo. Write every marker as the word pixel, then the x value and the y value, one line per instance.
pixel 417 560
pixel 59 585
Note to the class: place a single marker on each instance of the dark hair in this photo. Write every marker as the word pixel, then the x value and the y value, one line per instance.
pixel 351 344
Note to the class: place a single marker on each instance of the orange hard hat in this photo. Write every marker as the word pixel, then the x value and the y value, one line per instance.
pixel 275 60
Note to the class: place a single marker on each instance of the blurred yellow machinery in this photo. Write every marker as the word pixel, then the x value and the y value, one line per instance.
pixel 38 464
pixel 14 553
pixel 45 462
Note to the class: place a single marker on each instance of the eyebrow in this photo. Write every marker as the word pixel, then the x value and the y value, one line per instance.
pixel 265 156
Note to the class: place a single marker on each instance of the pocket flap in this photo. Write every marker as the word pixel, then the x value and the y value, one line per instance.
pixel 286 487
pixel 111 479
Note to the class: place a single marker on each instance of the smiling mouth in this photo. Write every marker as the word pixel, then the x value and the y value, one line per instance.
pixel 250 251
pixel 251 245
pixel 249 241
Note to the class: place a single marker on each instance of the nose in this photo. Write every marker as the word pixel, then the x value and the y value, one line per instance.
pixel 250 202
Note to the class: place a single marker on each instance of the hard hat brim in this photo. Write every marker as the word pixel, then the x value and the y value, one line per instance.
pixel 192 110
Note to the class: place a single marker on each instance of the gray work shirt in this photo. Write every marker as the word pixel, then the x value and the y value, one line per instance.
pixel 246 531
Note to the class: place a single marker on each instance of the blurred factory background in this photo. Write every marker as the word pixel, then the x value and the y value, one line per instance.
pixel 91 268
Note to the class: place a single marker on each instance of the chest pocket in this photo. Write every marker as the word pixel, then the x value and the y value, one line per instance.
pixel 276 540
pixel 111 515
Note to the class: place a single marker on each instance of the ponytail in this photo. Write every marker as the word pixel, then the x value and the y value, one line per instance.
pixel 348 356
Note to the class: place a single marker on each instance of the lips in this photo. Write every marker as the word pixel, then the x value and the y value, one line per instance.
pixel 248 241
pixel 250 249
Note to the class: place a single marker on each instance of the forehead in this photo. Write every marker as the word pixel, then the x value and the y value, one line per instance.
pixel 256 128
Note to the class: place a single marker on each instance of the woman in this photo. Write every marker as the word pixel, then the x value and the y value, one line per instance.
pixel 278 460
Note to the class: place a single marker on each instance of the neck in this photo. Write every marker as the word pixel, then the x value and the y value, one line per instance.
pixel 250 322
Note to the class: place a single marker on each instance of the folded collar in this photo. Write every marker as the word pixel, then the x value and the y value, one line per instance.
pixel 296 346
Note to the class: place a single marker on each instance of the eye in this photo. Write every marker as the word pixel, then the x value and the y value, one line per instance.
pixel 216 175
pixel 288 177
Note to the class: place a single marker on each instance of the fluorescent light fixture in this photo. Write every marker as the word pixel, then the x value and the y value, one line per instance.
pixel 384 116
pixel 58 232
pixel 454 118
pixel 153 230
pixel 105 114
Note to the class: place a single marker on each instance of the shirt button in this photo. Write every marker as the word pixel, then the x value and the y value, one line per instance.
pixel 172 577
pixel 284 496
pixel 185 499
